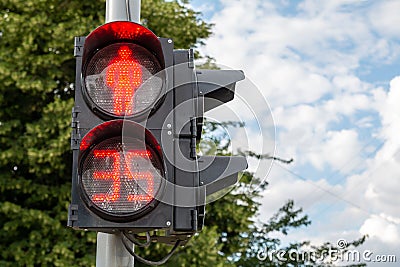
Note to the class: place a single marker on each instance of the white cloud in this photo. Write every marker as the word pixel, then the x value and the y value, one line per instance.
pixel 390 112
pixel 385 18
pixel 337 150
pixel 350 83
pixel 307 194
pixel 382 228
pixel 380 183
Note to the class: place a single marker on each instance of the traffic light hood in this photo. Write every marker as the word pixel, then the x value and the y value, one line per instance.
pixel 122 31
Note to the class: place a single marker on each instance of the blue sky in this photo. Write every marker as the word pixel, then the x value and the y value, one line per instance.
pixel 329 76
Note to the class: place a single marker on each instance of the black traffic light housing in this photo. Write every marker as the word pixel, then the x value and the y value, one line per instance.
pixel 169 128
pixel 149 124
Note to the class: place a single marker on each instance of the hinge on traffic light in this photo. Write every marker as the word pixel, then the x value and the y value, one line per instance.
pixel 193 135
pixel 78 46
pixel 72 215
pixel 195 226
pixel 75 135
pixel 191 59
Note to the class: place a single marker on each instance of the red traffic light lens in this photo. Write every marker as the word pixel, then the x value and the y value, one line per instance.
pixel 123 79
pixel 119 177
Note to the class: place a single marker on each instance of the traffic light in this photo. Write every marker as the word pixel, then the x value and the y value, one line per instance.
pixel 121 102
pixel 137 119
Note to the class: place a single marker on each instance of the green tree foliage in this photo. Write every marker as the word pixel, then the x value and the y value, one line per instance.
pixel 37 74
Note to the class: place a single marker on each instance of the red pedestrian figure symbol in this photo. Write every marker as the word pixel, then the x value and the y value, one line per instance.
pixel 124 76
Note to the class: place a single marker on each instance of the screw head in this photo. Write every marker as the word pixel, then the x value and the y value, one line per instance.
pixel 168 223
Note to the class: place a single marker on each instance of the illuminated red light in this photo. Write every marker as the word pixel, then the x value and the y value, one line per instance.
pixel 124 76
pixel 148 177
pixel 123 79
pixel 120 169
pixel 113 175
pixel 120 176
pixel 130 155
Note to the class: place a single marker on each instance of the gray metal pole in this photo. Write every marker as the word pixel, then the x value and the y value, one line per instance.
pixel 110 250
pixel 123 10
